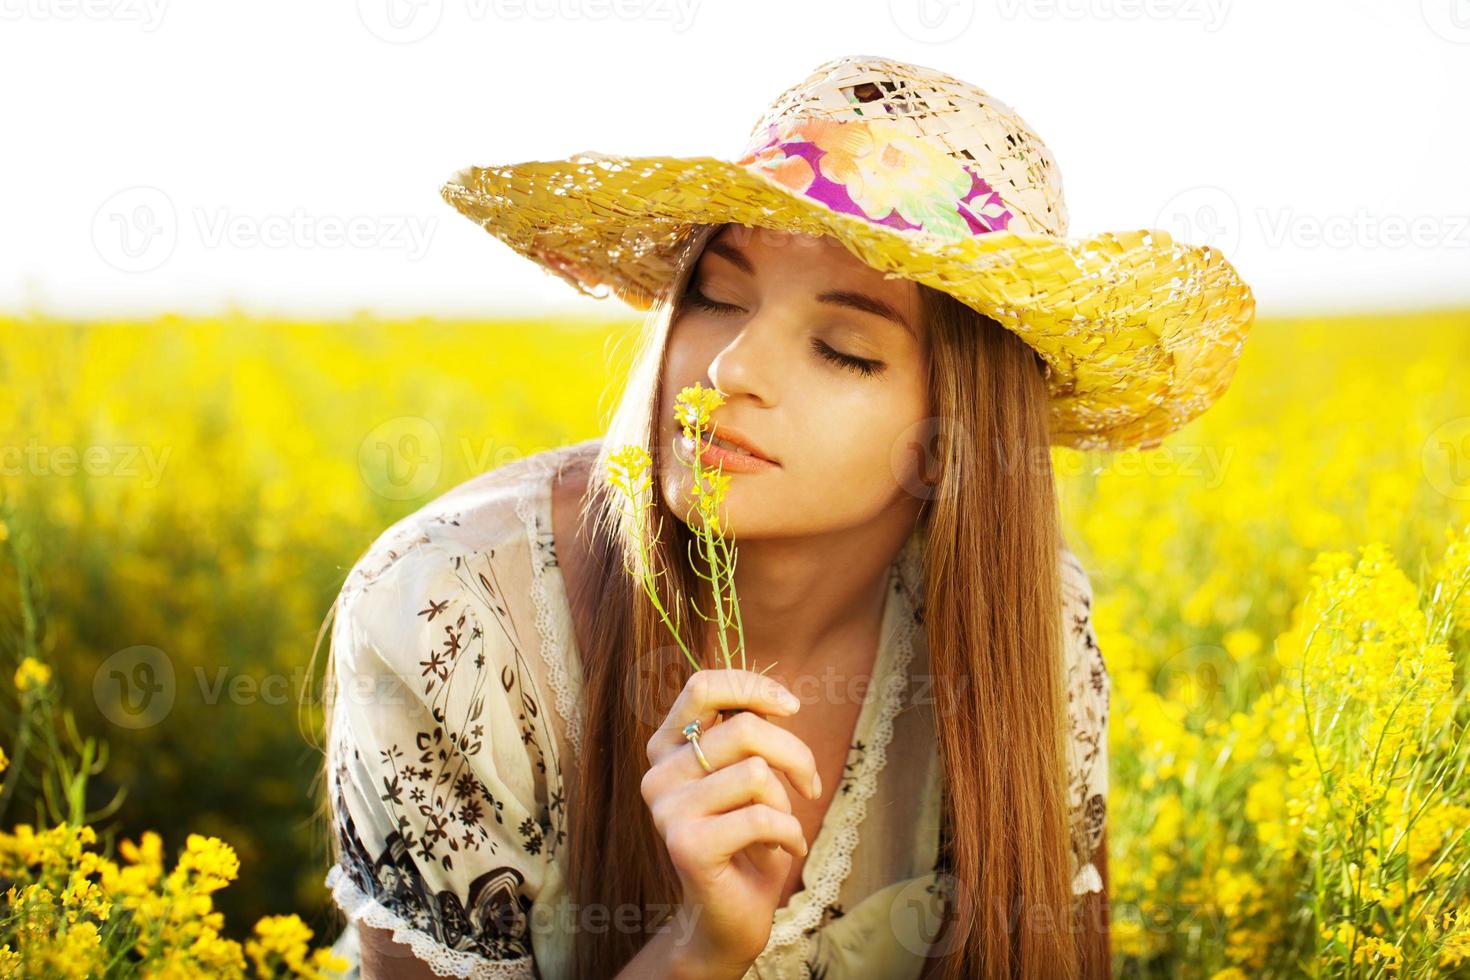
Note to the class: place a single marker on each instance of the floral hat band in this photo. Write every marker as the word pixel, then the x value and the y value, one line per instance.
pixel 877 170
pixel 921 176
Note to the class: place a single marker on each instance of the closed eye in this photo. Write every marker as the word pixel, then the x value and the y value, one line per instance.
pixel 861 365
pixel 700 301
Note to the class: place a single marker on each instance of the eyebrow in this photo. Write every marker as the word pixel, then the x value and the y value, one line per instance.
pixel 837 297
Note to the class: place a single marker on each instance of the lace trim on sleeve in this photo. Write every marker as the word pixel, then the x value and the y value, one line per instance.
pixel 445 962
pixel 553 644
pixel 1088 695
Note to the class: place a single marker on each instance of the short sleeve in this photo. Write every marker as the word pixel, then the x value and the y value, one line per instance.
pixel 436 765
pixel 1088 690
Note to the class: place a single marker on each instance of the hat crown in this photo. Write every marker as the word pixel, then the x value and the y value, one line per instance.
pixel 937 115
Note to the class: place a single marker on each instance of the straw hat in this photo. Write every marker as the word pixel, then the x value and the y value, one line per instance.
pixel 922 176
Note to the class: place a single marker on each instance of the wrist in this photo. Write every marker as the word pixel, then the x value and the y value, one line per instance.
pixel 692 959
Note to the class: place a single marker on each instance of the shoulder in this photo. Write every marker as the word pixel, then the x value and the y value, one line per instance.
pixel 480 514
pixel 471 546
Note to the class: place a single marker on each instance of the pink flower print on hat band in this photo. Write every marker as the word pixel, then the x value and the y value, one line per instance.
pixel 876 170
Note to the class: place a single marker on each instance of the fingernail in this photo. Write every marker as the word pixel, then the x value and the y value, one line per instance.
pixel 816 785
pixel 790 701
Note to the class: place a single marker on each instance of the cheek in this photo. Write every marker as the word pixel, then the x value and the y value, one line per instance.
pixel 681 368
pixel 853 439
pixel 688 352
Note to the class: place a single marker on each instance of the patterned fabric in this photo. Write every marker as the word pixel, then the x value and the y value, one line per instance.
pixel 871 168
pixel 457 715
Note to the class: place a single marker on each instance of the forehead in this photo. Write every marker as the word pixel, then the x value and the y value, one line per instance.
pixel 770 251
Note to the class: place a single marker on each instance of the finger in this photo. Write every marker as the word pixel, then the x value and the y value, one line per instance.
pixel 771 861
pixel 741 784
pixel 742 736
pixel 747 734
pixel 710 691
pixel 727 833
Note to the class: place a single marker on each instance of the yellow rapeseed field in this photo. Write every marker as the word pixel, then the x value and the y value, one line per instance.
pixel 1282 598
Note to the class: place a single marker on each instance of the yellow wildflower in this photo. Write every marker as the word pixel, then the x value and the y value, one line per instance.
pixel 693 405
pixel 31 674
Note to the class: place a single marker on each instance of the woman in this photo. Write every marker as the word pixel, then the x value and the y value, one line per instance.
pixel 510 804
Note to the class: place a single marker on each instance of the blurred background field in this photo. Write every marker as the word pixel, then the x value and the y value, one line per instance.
pixel 201 486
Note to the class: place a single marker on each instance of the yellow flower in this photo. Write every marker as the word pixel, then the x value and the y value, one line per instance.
pixel 628 471
pixel 692 407
pixel 31 674
pixel 208 860
pixel 284 940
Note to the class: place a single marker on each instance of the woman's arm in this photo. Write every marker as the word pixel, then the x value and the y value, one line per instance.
pixel 384 959
pixel 662 958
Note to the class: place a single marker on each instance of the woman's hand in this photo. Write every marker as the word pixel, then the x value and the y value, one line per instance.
pixel 730 832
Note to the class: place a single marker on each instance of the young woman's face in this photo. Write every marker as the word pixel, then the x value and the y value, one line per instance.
pixel 824 367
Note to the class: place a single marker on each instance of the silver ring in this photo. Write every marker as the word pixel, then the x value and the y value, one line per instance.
pixel 691 735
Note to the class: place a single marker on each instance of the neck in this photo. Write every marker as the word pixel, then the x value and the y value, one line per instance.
pixel 815 601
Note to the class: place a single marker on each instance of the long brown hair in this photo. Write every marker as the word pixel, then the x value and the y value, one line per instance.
pixel 992 602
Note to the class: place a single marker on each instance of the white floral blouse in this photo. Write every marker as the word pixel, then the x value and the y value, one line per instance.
pixel 457 717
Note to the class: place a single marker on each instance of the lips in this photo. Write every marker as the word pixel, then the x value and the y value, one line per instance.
pixel 738 438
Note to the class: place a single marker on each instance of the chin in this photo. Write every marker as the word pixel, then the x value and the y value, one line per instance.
pixel 737 511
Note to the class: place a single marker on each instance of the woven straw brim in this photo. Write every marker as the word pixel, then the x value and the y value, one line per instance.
pixel 1140 333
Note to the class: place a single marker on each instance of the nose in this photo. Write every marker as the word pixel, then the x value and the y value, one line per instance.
pixel 749 364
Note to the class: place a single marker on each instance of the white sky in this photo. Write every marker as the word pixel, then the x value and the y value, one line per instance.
pixel 1323 145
